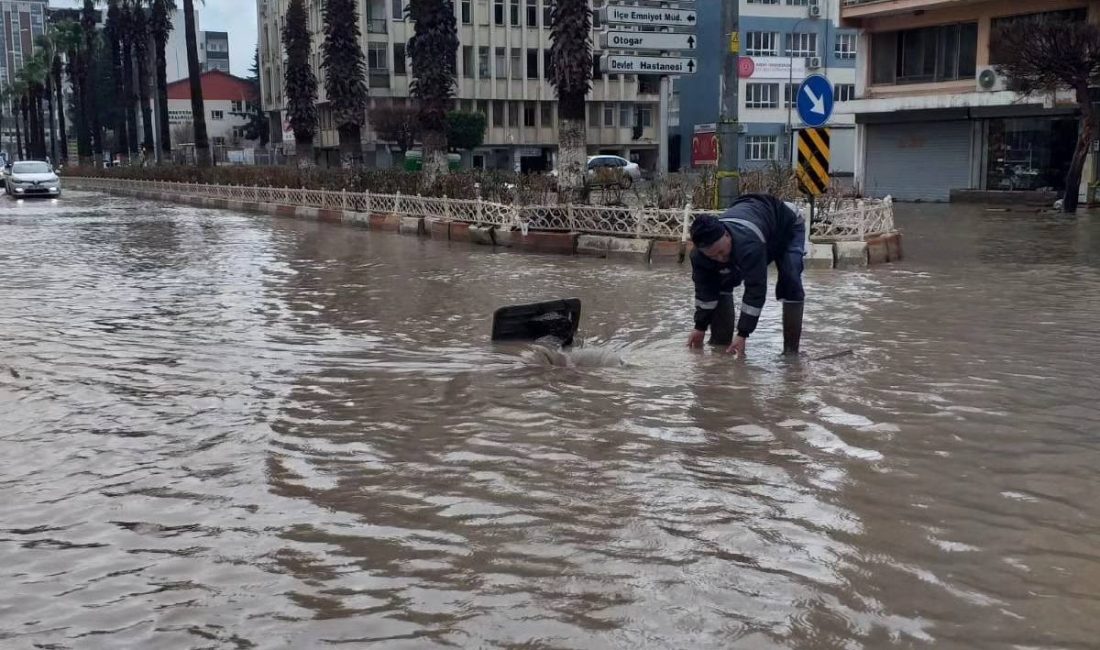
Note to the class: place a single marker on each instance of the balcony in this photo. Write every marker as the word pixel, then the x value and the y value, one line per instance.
pixel 376 25
pixel 854 10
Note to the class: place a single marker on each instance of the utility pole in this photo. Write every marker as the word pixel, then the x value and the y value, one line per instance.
pixel 729 182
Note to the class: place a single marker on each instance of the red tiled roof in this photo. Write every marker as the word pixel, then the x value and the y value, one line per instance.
pixel 216 85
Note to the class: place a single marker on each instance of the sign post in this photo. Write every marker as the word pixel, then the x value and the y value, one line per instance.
pixel 815 108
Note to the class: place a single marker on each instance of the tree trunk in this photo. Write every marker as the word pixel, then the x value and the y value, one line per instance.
pixel 83 128
pixel 62 132
pixel 41 132
pixel 28 148
pixel 122 144
pixel 351 145
pixel 146 109
pixel 129 96
pixel 18 133
pixel 1085 135
pixel 434 154
pixel 163 124
pixel 303 152
pixel 53 120
pixel 198 116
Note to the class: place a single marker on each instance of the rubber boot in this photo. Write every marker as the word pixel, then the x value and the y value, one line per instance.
pixel 792 327
pixel 723 322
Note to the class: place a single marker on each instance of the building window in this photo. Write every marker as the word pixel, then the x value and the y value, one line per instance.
pixel 397 10
pixel 645 117
pixel 529 114
pixel 399 58
pixel 517 65
pixel 513 12
pixel 468 61
pixel 802 44
pixel 513 114
pixel 498 12
pixel 626 116
pixel 790 95
pixel 498 112
pixel 845 92
pixel 376 57
pixel 929 54
pixel 483 63
pixel 761 147
pixel 762 44
pixel 609 115
pixel 547 13
pixel 759 95
pixel 546 63
pixel 763 2
pixel 594 114
pixel 547 110
pixel 797 3
pixel 532 64
pixel 217 115
pixel 237 107
pixel 532 13
pixel 500 60
pixel 846 45
pixel 467 12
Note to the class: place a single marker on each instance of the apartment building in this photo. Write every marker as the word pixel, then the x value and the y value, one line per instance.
pixel 932 114
pixel 782 42
pixel 502 71
pixel 213 49
pixel 21 21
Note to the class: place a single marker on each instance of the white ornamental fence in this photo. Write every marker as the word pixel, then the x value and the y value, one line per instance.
pixel 836 219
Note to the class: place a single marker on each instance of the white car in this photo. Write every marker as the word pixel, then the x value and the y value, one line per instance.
pixel 625 171
pixel 32 178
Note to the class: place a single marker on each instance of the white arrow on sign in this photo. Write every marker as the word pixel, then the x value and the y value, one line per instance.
pixel 647 16
pixel 818 102
pixel 660 65
pixel 619 40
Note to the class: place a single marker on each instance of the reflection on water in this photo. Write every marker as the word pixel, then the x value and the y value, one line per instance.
pixel 228 431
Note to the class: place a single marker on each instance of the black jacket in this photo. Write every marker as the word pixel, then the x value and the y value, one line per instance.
pixel 761 227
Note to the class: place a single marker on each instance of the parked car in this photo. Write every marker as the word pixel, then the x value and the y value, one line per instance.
pixel 616 171
pixel 32 178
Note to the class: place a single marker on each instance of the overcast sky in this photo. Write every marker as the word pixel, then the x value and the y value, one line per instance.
pixel 238 17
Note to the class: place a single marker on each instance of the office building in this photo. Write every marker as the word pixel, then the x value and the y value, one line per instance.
pixel 213 49
pixel 502 71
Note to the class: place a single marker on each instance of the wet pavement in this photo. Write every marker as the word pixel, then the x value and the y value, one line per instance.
pixel 231 431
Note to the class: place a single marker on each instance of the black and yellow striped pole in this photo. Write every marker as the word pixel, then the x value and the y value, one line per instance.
pixel 813 165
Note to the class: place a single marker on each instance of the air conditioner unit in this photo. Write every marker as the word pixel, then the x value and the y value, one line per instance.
pixel 741 128
pixel 813 62
pixel 815 11
pixel 989 80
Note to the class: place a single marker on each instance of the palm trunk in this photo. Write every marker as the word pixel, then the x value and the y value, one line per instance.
pixel 146 109
pixel 27 146
pixel 63 136
pixel 81 119
pixel 351 146
pixel 41 132
pixel 53 119
pixel 162 102
pixel 18 133
pixel 198 115
pixel 129 96
pixel 572 146
pixel 435 154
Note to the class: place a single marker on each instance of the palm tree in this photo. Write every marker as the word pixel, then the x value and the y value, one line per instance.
pixel 33 75
pixel 130 100
pixel 90 60
pixel 66 38
pixel 198 115
pixel 160 25
pixel 300 84
pixel 571 74
pixel 11 97
pixel 433 49
pixel 345 76
pixel 113 31
pixel 47 52
pixel 139 24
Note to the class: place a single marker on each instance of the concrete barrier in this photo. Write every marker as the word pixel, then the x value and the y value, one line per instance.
pixel 385 222
pixel 666 251
pixel 893 247
pixel 330 216
pixel 482 235
pixel 614 247
pixel 411 226
pixel 561 243
pixel 821 256
pixel 438 229
pixel 851 254
pixel 460 231
pixel 876 250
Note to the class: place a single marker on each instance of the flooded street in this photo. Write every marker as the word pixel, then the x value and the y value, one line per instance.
pixel 231 431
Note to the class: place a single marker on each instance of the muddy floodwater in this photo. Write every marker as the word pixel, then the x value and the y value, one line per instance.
pixel 221 430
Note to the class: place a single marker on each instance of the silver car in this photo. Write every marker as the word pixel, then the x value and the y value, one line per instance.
pixel 32 178
pixel 615 169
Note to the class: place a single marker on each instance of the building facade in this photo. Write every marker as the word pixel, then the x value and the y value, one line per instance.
pixel 213 49
pixel 22 22
pixel 502 73
pixel 932 113
pixel 225 99
pixel 782 42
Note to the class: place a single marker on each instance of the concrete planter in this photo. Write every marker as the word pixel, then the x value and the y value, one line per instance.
pixel 438 229
pixel 561 243
pixel 614 247
pixel 821 256
pixel 385 222
pixel 482 235
pixel 876 250
pixel 411 226
pixel 460 231
pixel 667 251
pixel 851 254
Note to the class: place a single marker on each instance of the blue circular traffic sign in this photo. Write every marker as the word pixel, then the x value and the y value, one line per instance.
pixel 815 101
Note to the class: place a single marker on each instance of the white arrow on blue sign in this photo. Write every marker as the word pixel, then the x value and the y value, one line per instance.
pixel 815 101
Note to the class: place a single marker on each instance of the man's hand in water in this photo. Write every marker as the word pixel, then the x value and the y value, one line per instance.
pixel 737 348
pixel 696 339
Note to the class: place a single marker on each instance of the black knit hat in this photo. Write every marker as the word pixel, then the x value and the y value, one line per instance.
pixel 706 230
